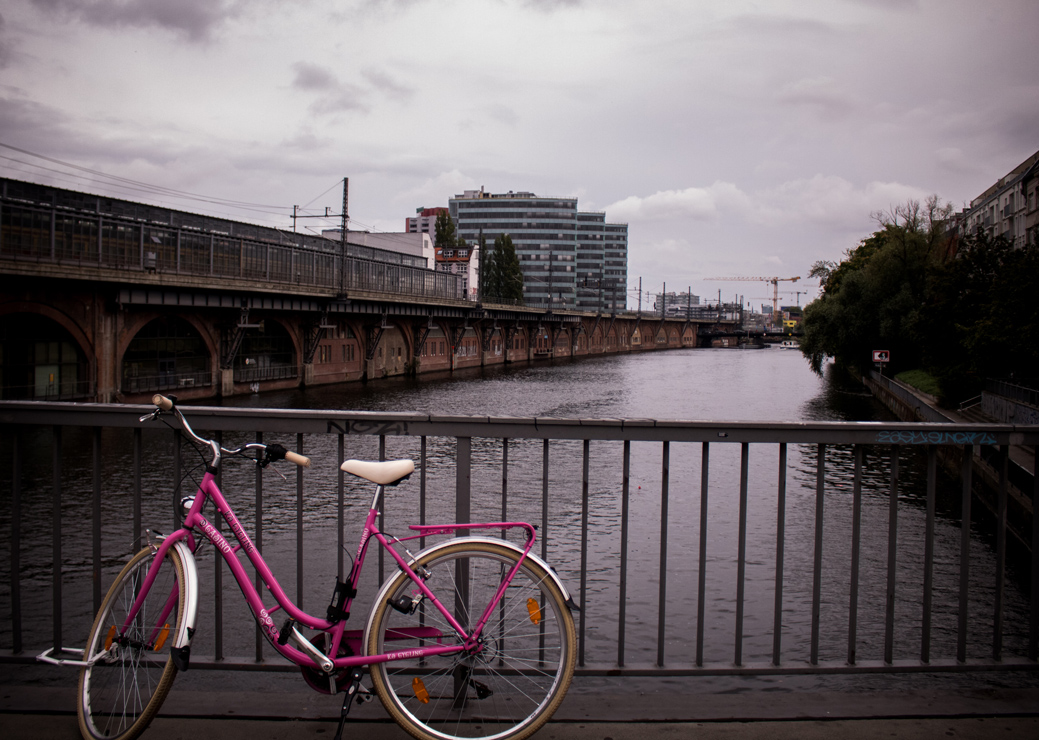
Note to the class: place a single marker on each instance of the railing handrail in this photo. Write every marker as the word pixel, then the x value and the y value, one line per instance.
pixel 318 421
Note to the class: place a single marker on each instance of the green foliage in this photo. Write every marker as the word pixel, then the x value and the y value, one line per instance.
pixel 921 380
pixel 501 277
pixel 964 311
pixel 444 233
pixel 983 315
pixel 871 301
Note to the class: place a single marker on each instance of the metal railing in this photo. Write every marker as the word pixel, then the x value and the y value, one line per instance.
pixel 43 233
pixel 692 548
pixel 1013 391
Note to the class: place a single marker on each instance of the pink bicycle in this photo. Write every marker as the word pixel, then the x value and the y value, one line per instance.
pixel 470 638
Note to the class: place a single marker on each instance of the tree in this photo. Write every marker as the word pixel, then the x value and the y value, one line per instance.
pixel 511 276
pixel 874 297
pixel 501 277
pixel 445 235
pixel 982 316
pixel 490 278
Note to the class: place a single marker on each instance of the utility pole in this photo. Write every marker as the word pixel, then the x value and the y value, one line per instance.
pixel 344 217
pixel 342 237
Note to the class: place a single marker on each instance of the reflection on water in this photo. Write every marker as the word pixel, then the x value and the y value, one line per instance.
pixel 715 385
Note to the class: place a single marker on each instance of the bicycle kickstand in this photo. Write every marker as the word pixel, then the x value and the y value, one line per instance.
pixel 348 699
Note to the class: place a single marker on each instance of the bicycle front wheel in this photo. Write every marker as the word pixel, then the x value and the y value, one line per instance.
pixel 508 688
pixel 130 674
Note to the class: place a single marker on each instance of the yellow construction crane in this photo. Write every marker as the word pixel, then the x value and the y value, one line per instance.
pixel 775 288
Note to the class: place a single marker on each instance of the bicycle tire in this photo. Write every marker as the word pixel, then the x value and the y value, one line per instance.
pixel 120 693
pixel 524 669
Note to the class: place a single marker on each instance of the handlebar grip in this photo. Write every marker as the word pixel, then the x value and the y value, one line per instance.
pixel 292 457
pixel 162 402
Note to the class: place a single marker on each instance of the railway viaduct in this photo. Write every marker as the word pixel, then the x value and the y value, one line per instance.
pixel 107 300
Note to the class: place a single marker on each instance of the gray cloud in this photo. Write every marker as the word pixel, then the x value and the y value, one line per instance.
pixel 384 83
pixel 5 49
pixel 552 5
pixel 819 94
pixel 335 96
pixel 313 77
pixel 195 19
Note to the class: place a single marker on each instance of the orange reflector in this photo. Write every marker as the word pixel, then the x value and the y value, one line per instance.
pixel 110 638
pixel 164 634
pixel 534 611
pixel 420 690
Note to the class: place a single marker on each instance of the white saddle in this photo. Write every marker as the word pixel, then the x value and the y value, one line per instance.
pixel 387 473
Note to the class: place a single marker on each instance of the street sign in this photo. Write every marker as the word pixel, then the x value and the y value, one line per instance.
pixel 881 355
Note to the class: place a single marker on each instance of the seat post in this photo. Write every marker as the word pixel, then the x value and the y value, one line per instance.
pixel 377 497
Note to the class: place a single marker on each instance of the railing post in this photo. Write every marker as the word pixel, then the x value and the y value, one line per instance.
pixel 56 538
pixel 856 542
pixel 741 552
pixel 623 585
pixel 932 482
pixel 584 552
pixel 218 571
pixel 777 623
pixel 665 463
pixel 817 575
pixel 1033 628
pixel 966 469
pixel 892 555
pixel 258 542
pixel 1001 552
pixel 701 588
pixel 463 480
pixel 96 518
pixel 16 545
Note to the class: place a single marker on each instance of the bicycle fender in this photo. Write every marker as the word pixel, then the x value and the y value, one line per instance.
pixel 384 591
pixel 181 650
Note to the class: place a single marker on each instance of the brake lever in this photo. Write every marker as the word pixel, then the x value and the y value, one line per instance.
pixel 264 461
pixel 150 417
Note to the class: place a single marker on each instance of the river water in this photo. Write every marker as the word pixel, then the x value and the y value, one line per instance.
pixel 694 384
pixel 711 385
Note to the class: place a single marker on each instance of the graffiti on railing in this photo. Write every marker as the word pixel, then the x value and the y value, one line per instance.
pixel 898 437
pixel 390 428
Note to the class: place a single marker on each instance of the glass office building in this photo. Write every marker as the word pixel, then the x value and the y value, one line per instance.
pixel 569 259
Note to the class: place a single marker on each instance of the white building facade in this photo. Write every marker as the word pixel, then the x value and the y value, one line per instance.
pixel 1009 208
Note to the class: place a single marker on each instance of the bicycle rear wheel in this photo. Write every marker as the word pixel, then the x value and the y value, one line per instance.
pixel 130 675
pixel 510 687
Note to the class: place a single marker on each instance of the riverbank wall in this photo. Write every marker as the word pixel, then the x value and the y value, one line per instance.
pixel 910 404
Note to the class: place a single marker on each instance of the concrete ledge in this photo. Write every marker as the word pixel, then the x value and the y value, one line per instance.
pixel 754 706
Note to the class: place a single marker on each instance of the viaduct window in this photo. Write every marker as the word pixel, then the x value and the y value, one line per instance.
pixel 167 353
pixel 40 361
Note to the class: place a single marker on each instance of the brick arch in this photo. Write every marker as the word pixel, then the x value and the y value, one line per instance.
pixel 61 318
pixel 132 327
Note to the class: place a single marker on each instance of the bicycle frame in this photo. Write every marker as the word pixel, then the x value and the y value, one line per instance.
pixel 315 658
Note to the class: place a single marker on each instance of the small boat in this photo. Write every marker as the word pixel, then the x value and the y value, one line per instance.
pixel 789 344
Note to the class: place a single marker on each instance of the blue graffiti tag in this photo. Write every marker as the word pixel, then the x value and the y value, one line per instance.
pixel 936 438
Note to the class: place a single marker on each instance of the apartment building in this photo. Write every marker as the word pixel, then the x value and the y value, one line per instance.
pixel 1010 207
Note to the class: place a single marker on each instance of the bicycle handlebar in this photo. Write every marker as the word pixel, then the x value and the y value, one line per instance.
pixel 166 404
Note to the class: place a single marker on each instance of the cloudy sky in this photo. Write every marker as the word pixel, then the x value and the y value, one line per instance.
pixel 734 137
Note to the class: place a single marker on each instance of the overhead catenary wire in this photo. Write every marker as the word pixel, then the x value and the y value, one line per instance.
pixel 137 187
